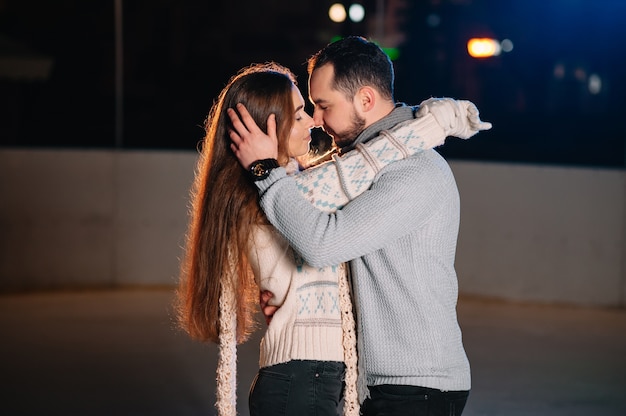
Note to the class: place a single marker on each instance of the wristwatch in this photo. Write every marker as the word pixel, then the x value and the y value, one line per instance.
pixel 261 169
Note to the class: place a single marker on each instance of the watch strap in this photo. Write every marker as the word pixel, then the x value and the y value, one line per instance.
pixel 260 169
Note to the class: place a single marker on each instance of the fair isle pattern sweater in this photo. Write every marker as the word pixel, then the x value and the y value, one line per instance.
pixel 331 185
pixel 307 326
pixel 400 239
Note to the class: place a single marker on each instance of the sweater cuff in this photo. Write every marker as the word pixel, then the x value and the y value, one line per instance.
pixel 274 176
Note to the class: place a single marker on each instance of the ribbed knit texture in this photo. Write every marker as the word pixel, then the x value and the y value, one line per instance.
pixel 401 237
pixel 349 342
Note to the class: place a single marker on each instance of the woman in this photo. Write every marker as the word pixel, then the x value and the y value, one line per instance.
pixel 228 238
pixel 232 252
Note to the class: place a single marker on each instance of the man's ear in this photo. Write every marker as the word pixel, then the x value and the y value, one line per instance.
pixel 366 99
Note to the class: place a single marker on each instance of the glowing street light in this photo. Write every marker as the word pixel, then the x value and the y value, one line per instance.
pixel 483 47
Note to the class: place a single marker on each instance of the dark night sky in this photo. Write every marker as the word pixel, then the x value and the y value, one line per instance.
pixel 179 54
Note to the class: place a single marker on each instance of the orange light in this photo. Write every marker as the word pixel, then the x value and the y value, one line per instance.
pixel 483 47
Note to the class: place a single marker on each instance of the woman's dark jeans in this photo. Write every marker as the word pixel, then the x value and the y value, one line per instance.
pixel 388 400
pixel 298 388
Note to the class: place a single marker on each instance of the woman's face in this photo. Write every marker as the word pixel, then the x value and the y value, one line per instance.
pixel 300 136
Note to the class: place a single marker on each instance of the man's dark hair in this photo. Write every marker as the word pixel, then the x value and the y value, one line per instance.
pixel 357 62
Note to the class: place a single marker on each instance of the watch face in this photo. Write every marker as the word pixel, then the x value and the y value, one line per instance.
pixel 258 169
pixel 261 168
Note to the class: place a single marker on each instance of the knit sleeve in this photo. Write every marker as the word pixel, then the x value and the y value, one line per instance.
pixel 402 198
pixel 271 259
pixel 331 185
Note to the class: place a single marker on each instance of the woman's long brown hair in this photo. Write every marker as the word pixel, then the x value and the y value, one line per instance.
pixel 224 205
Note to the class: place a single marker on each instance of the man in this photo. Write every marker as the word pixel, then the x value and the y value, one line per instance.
pixel 399 236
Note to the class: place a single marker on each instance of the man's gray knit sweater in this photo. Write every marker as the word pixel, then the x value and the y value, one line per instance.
pixel 400 240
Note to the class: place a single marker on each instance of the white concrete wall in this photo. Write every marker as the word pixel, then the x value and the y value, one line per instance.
pixel 538 233
pixel 91 218
pixel 75 219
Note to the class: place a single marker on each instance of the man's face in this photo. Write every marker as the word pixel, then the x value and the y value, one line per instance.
pixel 332 110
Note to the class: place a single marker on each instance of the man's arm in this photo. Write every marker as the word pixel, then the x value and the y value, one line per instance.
pixel 331 185
pixel 404 196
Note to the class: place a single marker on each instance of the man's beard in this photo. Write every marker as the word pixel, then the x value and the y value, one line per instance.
pixel 346 137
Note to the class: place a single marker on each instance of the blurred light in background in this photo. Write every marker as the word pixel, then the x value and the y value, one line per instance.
pixel 337 13
pixel 595 84
pixel 506 45
pixel 356 12
pixel 392 53
pixel 433 20
pixel 483 47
